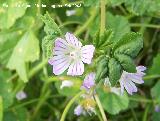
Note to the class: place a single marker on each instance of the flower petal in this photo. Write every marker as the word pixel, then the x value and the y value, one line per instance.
pixel 128 87
pixel 141 68
pixel 60 65
pixel 78 110
pixel 134 88
pixel 76 68
pixel 87 53
pixel 71 39
pixel 59 42
pixel 137 79
pixel 89 81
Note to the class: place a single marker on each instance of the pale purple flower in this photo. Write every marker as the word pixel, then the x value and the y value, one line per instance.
pixel 66 83
pixel 70 54
pixel 89 81
pixel 128 80
pixel 78 110
pixel 21 95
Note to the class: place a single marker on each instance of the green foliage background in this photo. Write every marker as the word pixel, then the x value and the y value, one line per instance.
pixel 26 44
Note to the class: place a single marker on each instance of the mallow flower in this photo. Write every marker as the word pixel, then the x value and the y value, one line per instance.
pixel 88 103
pixel 69 54
pixel 128 80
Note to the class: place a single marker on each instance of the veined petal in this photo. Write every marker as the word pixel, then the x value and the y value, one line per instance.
pixel 134 88
pixel 137 79
pixel 128 87
pixel 61 65
pixel 59 42
pixel 71 39
pixel 87 53
pixel 56 59
pixel 76 68
pixel 89 81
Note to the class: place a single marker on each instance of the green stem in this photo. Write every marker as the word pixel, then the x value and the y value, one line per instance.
pixel 100 108
pixel 146 113
pixel 39 8
pixel 145 25
pixel 37 68
pixel 61 78
pixel 142 100
pixel 69 105
pixel 87 23
pixel 103 9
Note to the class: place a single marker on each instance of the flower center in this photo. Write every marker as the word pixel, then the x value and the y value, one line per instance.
pixel 75 55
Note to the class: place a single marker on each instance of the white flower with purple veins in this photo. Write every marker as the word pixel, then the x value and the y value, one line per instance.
pixel 128 80
pixel 89 81
pixel 70 54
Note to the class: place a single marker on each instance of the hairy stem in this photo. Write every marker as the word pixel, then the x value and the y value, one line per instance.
pixel 100 108
pixel 102 17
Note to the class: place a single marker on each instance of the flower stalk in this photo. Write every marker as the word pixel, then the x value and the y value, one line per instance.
pixel 100 108
pixel 69 105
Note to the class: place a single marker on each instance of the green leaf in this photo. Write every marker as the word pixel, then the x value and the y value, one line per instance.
pixel 102 68
pixel 26 50
pixel 52 30
pixel 155 116
pixel 6 89
pixel 115 71
pixel 8 39
pixel 126 62
pixel 154 69
pixel 88 3
pixel 130 44
pixel 143 7
pixel 19 114
pixel 102 41
pixel 155 91
pixel 115 2
pixel 112 102
pixel 11 13
pixel 1 108
pixel 118 24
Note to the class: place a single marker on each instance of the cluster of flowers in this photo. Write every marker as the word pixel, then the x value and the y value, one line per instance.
pixel 70 54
